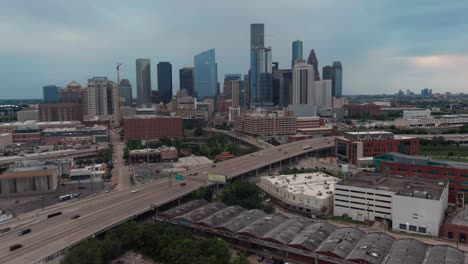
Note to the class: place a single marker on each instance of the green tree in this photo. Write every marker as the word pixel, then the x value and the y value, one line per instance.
pixel 245 194
pixel 240 260
pixel 203 193
pixel 199 132
pixel 87 252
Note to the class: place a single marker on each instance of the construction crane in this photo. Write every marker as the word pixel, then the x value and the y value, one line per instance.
pixel 118 72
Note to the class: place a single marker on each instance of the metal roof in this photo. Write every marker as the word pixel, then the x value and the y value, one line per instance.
pixel 445 254
pixel 372 248
pixel 341 242
pixel 407 251
pixel 262 226
pixel 287 231
pixel 183 208
pixel 242 220
pixel 201 213
pixel 222 216
pixel 312 236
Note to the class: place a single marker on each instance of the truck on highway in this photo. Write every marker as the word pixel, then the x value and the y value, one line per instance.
pixel 306 147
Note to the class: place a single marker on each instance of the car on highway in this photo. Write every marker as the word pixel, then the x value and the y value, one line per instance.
pixel 109 190
pixel 4 230
pixel 24 232
pixel 183 183
pixel 75 216
pixel 15 247
pixel 135 191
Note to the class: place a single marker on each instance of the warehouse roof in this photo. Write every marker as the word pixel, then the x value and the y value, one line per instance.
pixel 262 226
pixel 222 216
pixel 372 248
pixel 287 231
pixel 445 254
pixel 184 208
pixel 242 220
pixel 407 251
pixel 201 212
pixel 312 236
pixel 341 242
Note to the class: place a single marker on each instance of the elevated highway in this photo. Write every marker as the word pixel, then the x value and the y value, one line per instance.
pixel 51 237
pixel 457 138
pixel 248 140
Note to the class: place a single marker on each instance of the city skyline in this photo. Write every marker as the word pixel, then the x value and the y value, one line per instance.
pixel 391 46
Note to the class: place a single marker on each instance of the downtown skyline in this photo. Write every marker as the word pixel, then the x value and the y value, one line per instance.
pixel 391 46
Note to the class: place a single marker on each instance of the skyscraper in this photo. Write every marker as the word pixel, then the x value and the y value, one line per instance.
pixel 143 78
pixel 165 82
pixel 126 91
pixel 327 73
pixel 261 83
pixel 303 83
pixel 186 80
pixel 338 79
pixel 296 52
pixel 312 60
pixel 282 87
pixel 323 93
pixel 232 88
pixel 51 94
pixel 206 74
pixel 103 98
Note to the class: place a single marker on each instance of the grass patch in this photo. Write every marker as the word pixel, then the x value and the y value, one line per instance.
pixel 440 151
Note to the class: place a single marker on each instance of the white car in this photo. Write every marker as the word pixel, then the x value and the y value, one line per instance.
pixel 135 191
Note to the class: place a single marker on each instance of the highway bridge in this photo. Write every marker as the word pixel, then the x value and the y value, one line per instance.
pixel 242 139
pixel 51 237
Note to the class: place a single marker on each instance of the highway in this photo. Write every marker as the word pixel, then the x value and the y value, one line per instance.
pixel 99 213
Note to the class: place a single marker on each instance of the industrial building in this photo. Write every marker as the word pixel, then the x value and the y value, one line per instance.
pixel 149 127
pixel 75 135
pixel 308 193
pixel 455 227
pixel 360 147
pixel 455 172
pixel 432 121
pixel 162 154
pixel 414 205
pixel 303 240
pixel 28 180
pixel 27 115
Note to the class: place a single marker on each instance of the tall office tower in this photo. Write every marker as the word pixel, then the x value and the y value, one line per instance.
pixel 282 87
pixel 206 74
pixel 312 60
pixel 337 86
pixel 50 94
pixel 323 93
pixel 296 52
pixel 232 88
pixel 275 65
pixel 143 78
pixel 246 92
pixel 327 73
pixel 303 83
pixel 186 80
pixel 257 36
pixel 74 93
pixel 126 91
pixel 260 88
pixel 103 98
pixel 165 82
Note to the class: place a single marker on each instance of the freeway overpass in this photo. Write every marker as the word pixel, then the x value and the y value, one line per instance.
pixel 51 237
pixel 243 139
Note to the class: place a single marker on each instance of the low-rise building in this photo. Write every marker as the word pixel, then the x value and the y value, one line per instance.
pixel 456 226
pixel 28 180
pixel 414 205
pixel 30 135
pixel 6 139
pixel 432 121
pixel 360 147
pixel 416 113
pixel 61 112
pixel 162 154
pixel 309 193
pixel 27 115
pixel 75 135
pixel 149 127
pixel 266 124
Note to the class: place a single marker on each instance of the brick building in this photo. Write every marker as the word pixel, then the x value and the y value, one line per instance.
pixel 359 110
pixel 265 124
pixel 455 227
pixel 163 154
pixel 360 147
pixel 456 173
pixel 152 127
pixel 61 112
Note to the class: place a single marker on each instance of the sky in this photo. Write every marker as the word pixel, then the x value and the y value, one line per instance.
pixel 383 45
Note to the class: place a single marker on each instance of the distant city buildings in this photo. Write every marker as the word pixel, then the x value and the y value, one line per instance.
pixel 165 82
pixel 60 112
pixel 206 74
pixel 312 60
pixel 337 84
pixel 282 87
pixel 303 84
pixel 261 70
pixel 27 115
pixel 51 94
pixel 296 52
pixel 143 79
pixel 323 93
pixel 126 92
pixel 103 99
pixel 186 80
pixel 232 88
pixel 150 127
pixel 426 92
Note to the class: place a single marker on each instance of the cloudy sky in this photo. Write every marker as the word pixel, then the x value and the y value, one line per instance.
pixel 384 46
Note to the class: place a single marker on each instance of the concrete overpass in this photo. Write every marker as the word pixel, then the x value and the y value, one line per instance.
pixel 51 237
pixel 242 139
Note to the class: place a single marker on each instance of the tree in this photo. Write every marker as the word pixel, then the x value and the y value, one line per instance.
pixel 245 194
pixel 87 252
pixel 240 260
pixel 203 193
pixel 198 132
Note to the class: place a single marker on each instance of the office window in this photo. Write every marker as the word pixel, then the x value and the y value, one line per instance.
pixel 413 228
pixel 449 174
pixel 402 226
pixel 422 230
pixel 417 170
pixel 464 182
pixel 433 172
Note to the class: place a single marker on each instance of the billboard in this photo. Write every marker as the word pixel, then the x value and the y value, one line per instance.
pixel 216 178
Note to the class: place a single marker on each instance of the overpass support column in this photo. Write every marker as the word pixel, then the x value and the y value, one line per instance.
pixel 270 167
pixel 256 173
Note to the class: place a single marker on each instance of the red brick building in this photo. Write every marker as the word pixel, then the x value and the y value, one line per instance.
pixel 455 227
pixel 361 147
pixel 61 112
pixel 359 110
pixel 152 127
pixel 153 155
pixel 265 124
pixel 456 173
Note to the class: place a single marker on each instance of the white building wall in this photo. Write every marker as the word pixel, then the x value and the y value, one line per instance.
pixel 304 83
pixel 323 93
pixel 407 114
pixel 27 115
pixel 423 216
pixel 6 139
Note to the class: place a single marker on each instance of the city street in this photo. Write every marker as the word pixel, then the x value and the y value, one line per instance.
pixel 120 173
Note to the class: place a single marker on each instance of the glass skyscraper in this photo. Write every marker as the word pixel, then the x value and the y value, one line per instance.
pixel 312 60
pixel 51 94
pixel 164 82
pixel 143 78
pixel 206 74
pixel 126 91
pixel 337 87
pixel 186 80
pixel 296 52
pixel 261 86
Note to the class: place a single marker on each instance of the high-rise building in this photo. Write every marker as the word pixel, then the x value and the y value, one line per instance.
pixel 257 36
pixel 275 65
pixel 296 52
pixel 323 93
pixel 232 87
pixel 165 82
pixel 103 98
pixel 312 60
pixel 261 82
pixel 143 78
pixel 126 91
pixel 206 74
pixel 282 87
pixel 186 80
pixel 337 88
pixel 246 92
pixel 51 94
pixel 303 84
pixel 327 73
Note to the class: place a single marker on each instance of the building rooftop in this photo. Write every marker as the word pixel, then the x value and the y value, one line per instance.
pixel 184 208
pixel 407 251
pixel 445 254
pixel 151 150
pixel 260 227
pixel 372 248
pixel 419 160
pixel 412 186
pixel 287 230
pixel 222 216
pixel 312 236
pixel 243 219
pixel 148 116
pixel 460 218
pixel 317 184
pixel 201 213
pixel 341 242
